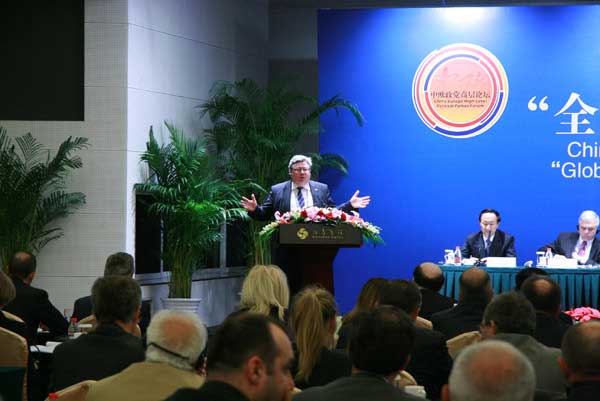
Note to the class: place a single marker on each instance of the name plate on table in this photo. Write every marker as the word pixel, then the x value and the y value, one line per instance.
pixel 501 262
pixel 319 234
pixel 563 263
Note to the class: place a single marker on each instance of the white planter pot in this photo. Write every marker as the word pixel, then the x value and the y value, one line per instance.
pixel 182 304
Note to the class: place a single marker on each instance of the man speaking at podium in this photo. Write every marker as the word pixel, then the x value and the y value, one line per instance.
pixel 489 241
pixel 298 193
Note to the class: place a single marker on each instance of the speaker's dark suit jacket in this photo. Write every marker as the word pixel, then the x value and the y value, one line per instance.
pixel 565 245
pixel 83 308
pixel 101 353
pixel 503 245
pixel 433 302
pixel 430 362
pixel 33 306
pixel 278 200
pixel 463 318
pixel 358 387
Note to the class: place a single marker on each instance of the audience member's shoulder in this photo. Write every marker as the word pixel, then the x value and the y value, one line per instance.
pixel 184 394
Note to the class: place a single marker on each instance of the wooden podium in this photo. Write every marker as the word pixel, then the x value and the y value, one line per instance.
pixel 316 246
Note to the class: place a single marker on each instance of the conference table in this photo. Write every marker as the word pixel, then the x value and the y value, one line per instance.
pixel 580 286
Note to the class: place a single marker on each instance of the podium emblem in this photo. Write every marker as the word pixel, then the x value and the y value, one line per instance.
pixel 302 233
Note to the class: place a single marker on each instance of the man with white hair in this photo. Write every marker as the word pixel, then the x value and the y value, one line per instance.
pixel 490 371
pixel 582 245
pixel 175 343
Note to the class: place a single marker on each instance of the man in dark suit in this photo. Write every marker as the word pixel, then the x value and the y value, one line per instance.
pixel 580 361
pixel 112 346
pixel 489 241
pixel 545 296
pixel 117 264
pixel 582 245
pixel 475 292
pixel 298 193
pixel 248 359
pixel 379 348
pixel 32 304
pixel 430 362
pixel 430 279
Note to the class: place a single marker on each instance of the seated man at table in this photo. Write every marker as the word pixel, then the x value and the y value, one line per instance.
pixel 475 292
pixel 489 241
pixel 32 304
pixel 581 245
pixel 111 347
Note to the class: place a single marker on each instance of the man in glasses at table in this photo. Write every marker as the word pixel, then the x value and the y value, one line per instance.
pixel 581 245
pixel 298 193
pixel 489 241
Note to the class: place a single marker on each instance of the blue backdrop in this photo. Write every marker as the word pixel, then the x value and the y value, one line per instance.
pixel 427 189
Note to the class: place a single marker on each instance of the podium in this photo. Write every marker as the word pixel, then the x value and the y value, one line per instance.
pixel 314 247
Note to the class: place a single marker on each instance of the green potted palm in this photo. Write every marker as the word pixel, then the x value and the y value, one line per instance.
pixel 192 202
pixel 255 131
pixel 33 196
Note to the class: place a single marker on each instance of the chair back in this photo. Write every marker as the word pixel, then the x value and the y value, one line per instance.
pixel 13 359
pixel 91 319
pixel 10 316
pixel 76 392
pixel 404 378
pixel 456 344
pixel 424 323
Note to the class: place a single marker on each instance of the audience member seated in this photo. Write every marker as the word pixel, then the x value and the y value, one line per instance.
pixel 491 371
pixel 475 292
pixel 117 264
pixel 7 294
pixel 510 317
pixel 430 279
pixel 111 347
pixel 580 361
pixel 545 296
pixel 527 272
pixel 248 359
pixel 32 304
pixel 380 345
pixel 313 325
pixel 175 343
pixel 430 362
pixel 367 300
pixel 265 291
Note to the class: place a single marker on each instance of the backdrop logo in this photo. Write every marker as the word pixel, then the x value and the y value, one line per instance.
pixel 460 90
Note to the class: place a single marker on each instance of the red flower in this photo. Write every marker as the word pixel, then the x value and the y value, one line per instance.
pixel 303 213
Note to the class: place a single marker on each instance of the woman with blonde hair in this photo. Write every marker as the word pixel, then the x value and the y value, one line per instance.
pixel 313 320
pixel 265 290
pixel 367 300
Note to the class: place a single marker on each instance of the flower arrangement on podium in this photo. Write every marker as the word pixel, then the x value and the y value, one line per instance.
pixel 326 216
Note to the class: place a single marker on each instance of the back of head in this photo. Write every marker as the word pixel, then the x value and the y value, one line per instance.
pixel 119 264
pixel 512 313
pixel 22 264
pixel 7 290
pixel 475 286
pixel 402 294
pixel 525 273
pixel 265 287
pixel 382 340
pixel 491 371
pixel 116 299
pixel 312 310
pixel 176 338
pixel 429 275
pixel 581 348
pixel 368 297
pixel 237 339
pixel 543 293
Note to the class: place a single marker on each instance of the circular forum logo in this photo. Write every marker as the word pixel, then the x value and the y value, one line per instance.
pixel 460 90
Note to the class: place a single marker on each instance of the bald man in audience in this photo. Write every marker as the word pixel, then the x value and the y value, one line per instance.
pixel 580 361
pixel 510 317
pixel 545 296
pixel 430 279
pixel 475 292
pixel 175 343
pixel 490 371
